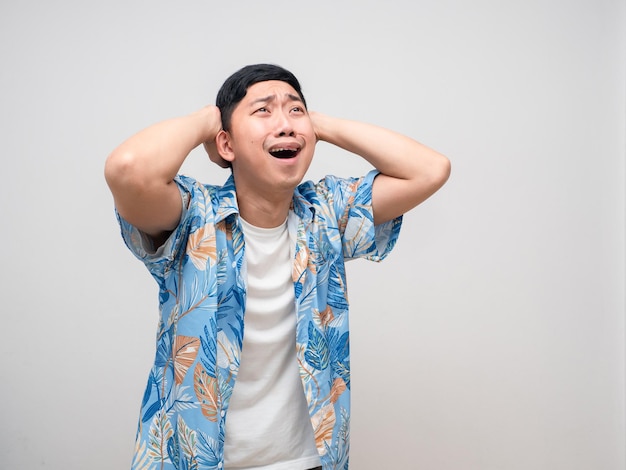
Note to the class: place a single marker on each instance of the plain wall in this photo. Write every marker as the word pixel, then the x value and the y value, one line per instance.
pixel 493 337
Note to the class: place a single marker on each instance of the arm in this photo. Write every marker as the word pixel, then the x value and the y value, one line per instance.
pixel 410 171
pixel 140 172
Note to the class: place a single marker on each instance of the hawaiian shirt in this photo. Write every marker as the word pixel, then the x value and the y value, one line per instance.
pixel 201 275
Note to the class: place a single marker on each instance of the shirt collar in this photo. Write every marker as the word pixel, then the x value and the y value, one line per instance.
pixel 301 205
pixel 227 202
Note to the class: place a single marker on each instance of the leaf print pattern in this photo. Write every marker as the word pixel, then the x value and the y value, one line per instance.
pixel 201 247
pixel 323 318
pixel 207 393
pixel 209 347
pixel 300 263
pixel 141 459
pixel 339 386
pixel 229 359
pixel 187 443
pixel 343 220
pixel 323 423
pixel 160 432
pixel 208 451
pixel 186 351
pixel 316 353
pixel 202 297
pixel 337 453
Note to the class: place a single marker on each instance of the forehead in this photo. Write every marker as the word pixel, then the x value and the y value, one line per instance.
pixel 270 89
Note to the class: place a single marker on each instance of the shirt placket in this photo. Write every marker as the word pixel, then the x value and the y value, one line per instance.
pixel 236 251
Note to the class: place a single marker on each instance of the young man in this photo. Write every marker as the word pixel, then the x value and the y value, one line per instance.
pixel 252 368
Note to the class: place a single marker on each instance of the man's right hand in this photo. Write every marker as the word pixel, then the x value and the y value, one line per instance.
pixel 215 120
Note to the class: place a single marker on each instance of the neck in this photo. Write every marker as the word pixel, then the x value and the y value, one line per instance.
pixel 264 212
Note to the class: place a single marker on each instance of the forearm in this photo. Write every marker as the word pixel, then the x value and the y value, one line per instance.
pixel 410 171
pixel 154 155
pixel 391 153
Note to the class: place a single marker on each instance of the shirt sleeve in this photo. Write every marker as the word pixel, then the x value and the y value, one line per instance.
pixel 352 198
pixel 159 260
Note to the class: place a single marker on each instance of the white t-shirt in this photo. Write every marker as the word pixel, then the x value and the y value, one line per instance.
pixel 268 425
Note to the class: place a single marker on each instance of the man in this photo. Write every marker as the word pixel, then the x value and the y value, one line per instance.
pixel 252 368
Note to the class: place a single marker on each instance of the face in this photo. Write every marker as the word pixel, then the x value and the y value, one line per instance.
pixel 271 139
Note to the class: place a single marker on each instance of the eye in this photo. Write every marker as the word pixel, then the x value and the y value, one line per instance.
pixel 262 110
pixel 297 109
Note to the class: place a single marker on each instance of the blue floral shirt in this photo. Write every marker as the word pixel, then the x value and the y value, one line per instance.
pixel 200 271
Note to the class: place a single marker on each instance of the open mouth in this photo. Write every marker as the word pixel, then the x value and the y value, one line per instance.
pixel 284 152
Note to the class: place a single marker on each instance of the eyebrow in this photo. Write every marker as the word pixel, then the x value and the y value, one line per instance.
pixel 270 98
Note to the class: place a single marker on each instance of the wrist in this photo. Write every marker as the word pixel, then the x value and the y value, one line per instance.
pixel 208 122
pixel 319 125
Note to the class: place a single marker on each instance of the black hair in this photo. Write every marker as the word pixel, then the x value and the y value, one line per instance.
pixel 236 86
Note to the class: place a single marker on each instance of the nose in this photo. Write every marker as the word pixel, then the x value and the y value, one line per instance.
pixel 284 126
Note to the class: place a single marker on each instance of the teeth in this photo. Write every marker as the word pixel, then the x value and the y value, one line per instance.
pixel 282 152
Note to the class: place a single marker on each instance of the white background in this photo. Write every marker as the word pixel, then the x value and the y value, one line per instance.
pixel 494 335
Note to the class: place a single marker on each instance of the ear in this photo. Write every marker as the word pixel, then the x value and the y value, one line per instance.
pixel 223 141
